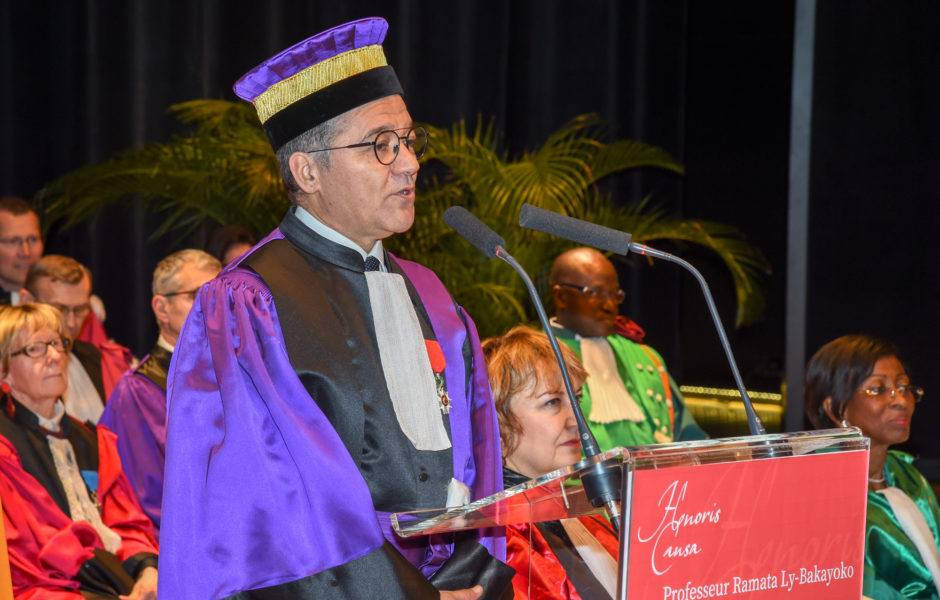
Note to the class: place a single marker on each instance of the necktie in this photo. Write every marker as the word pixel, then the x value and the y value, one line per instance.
pixel 372 263
pixel 58 434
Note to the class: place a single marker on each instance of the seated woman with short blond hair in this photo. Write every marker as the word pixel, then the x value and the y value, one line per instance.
pixel 572 558
pixel 75 529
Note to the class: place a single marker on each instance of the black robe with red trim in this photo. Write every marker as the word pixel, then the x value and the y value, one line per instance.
pixel 46 547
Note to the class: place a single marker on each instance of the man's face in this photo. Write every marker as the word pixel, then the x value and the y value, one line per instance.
pixel 178 302
pixel 589 314
pixel 70 299
pixel 20 248
pixel 357 195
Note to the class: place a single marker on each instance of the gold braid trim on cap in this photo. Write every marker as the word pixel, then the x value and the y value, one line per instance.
pixel 316 77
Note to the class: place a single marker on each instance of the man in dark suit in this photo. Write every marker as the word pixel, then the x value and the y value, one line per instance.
pixel 20 246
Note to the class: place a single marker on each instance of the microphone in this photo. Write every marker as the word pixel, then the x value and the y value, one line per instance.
pixel 605 238
pixel 586 234
pixel 474 231
pixel 602 482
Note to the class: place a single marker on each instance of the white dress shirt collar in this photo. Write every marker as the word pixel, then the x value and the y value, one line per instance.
pixel 334 236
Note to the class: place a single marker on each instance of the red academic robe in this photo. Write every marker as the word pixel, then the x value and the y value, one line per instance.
pixel 547 577
pixel 46 547
pixel 115 358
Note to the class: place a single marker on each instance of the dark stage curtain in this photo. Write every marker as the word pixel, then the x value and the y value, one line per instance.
pixel 874 195
pixel 83 80
pixel 709 82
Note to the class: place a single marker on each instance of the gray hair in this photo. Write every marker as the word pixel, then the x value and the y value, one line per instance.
pixel 321 136
pixel 164 276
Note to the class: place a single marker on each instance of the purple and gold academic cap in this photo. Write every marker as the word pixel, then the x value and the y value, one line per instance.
pixel 320 78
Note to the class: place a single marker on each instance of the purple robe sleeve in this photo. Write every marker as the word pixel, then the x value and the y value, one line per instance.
pixel 136 413
pixel 474 426
pixel 487 452
pixel 259 490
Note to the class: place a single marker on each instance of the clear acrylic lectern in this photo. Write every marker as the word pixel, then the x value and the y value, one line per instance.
pixel 769 463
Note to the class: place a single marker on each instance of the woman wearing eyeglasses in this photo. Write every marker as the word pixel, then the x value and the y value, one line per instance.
pixel 74 526
pixel 861 381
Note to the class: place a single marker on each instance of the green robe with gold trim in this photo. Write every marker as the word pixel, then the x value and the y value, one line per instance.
pixel 644 382
pixel 893 566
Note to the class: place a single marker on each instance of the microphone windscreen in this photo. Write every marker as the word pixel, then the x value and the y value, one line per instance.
pixel 576 230
pixel 473 230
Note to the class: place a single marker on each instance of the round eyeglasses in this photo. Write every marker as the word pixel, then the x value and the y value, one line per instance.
pixel 596 293
pixel 15 243
pixel 387 144
pixel 911 392
pixel 40 349
pixel 79 312
pixel 191 294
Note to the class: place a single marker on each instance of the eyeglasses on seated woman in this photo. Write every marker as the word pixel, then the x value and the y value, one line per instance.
pixel 538 434
pixel 74 526
pixel 862 381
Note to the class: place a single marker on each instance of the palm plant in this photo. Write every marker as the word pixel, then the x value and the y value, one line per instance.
pixel 562 176
pixel 224 171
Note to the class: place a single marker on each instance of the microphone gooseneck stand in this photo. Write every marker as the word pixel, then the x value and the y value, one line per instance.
pixel 619 242
pixel 602 482
pixel 754 423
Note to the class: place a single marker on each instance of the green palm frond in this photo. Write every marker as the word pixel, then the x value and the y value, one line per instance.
pixel 223 170
pixel 745 263
pixel 219 117
pixel 554 176
pixel 561 175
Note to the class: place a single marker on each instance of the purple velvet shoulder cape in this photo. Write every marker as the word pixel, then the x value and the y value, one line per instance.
pixel 259 489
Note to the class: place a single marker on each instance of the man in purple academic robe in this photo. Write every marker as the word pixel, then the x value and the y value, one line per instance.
pixel 136 409
pixel 319 383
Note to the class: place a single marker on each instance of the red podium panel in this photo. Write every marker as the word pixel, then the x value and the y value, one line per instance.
pixel 766 517
pixel 783 528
